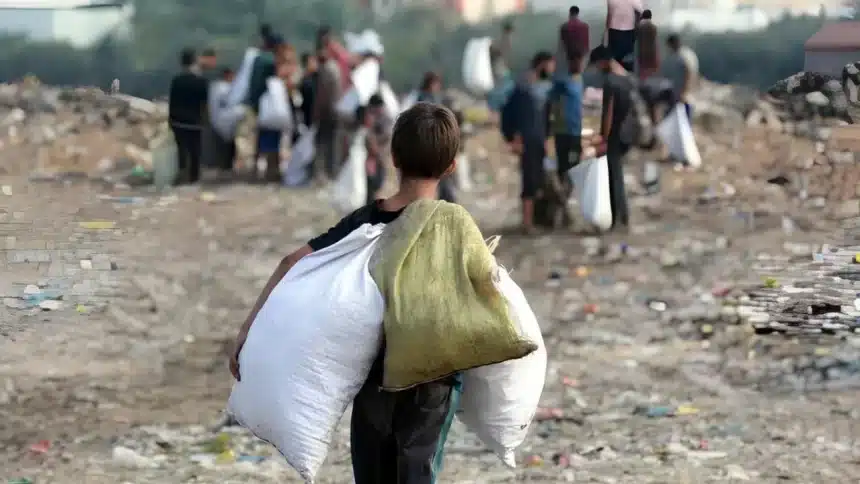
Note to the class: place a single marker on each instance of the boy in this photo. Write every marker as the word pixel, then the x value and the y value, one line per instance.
pixel 366 119
pixel 524 127
pixel 394 435
pixel 224 121
pixel 189 94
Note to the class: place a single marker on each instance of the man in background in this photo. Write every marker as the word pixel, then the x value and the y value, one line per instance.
pixel 573 45
pixel 647 55
pixel 307 87
pixel 329 89
pixel 681 66
pixel 209 150
pixel 187 103
pixel 622 17
pixel 500 53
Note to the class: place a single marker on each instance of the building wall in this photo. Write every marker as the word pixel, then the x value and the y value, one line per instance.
pixel 829 62
pixel 81 27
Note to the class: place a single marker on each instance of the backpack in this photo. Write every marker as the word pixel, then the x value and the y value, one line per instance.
pixel 637 129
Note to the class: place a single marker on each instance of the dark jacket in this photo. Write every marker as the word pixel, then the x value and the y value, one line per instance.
pixel 263 68
pixel 524 113
pixel 188 100
pixel 308 91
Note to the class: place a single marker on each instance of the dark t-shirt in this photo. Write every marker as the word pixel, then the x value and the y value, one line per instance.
pixel 369 214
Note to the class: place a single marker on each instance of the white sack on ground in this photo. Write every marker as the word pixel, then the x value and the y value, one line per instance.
pixel 499 401
pixel 591 187
pixel 676 133
pixel 301 156
pixel 304 362
pixel 349 190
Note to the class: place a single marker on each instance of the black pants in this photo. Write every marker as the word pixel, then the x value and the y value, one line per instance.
pixel 615 154
pixel 622 44
pixel 394 436
pixel 188 148
pixel 531 168
pixel 568 149
pixel 329 149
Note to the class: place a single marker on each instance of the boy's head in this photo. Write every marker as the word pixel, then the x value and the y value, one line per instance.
pixel 674 42
pixel 647 15
pixel 425 141
pixel 375 104
pixel 601 58
pixel 227 74
pixel 573 12
pixel 187 58
pixel 208 59
pixel 543 64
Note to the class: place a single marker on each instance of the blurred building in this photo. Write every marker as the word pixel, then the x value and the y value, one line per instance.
pixel 472 11
pixel 832 47
pixel 81 23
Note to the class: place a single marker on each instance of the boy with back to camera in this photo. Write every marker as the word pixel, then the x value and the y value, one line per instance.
pixel 395 436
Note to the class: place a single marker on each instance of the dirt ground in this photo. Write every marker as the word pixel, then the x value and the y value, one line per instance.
pixel 114 335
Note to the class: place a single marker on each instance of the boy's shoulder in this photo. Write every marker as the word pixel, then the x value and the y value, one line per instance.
pixel 371 213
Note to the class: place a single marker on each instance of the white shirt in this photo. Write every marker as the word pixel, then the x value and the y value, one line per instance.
pixel 622 13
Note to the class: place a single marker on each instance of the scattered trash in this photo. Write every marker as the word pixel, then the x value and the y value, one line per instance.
pixel 657 305
pixel 97 225
pixel 665 411
pixel 6 190
pixel 41 447
pixel 771 283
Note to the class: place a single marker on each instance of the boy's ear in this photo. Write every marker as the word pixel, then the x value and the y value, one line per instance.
pixel 452 167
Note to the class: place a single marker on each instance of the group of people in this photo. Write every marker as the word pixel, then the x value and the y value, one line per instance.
pixel 639 88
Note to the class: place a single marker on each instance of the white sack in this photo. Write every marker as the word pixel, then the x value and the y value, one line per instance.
pixel 591 186
pixel 349 190
pixel 477 67
pixel 224 117
pixel 242 80
pixel 392 106
pixel 463 173
pixel 676 134
pixel 499 401
pixel 275 112
pixel 367 42
pixel 301 156
pixel 365 83
pixel 304 362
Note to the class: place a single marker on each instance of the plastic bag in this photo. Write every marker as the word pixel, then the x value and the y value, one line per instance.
pixel 367 42
pixel 499 401
pixel 275 112
pixel 463 173
pixel 591 185
pixel 477 67
pixel 349 190
pixel 365 83
pixel 165 161
pixel 676 134
pixel 224 117
pixel 301 156
pixel 303 361
pixel 392 107
pixel 242 80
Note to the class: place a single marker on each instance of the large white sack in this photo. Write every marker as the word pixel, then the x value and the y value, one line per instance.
pixel 499 401
pixel 463 173
pixel 274 110
pixel 242 80
pixel 301 156
pixel 349 190
pixel 304 362
pixel 392 106
pixel 477 67
pixel 365 83
pixel 591 185
pixel 225 117
pixel 676 134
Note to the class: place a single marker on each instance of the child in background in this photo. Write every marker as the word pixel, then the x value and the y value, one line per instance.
pixel 224 122
pixel 366 119
pixel 394 435
pixel 269 140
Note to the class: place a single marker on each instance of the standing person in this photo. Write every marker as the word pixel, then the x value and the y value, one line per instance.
pixel 564 119
pixel 187 102
pixel 375 170
pixel 648 53
pixel 307 87
pixel 616 127
pixel 681 66
pixel 524 127
pixel 500 53
pixel 622 17
pixel 269 139
pixel 335 51
pixel 222 117
pixel 328 92
pixel 573 45
pixel 394 436
pixel 210 154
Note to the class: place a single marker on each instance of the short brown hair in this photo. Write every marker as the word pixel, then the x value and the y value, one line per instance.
pixel 425 140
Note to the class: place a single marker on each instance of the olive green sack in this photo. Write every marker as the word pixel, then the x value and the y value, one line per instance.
pixel 443 314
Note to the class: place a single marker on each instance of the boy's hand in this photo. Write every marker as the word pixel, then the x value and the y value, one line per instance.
pixel 234 358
